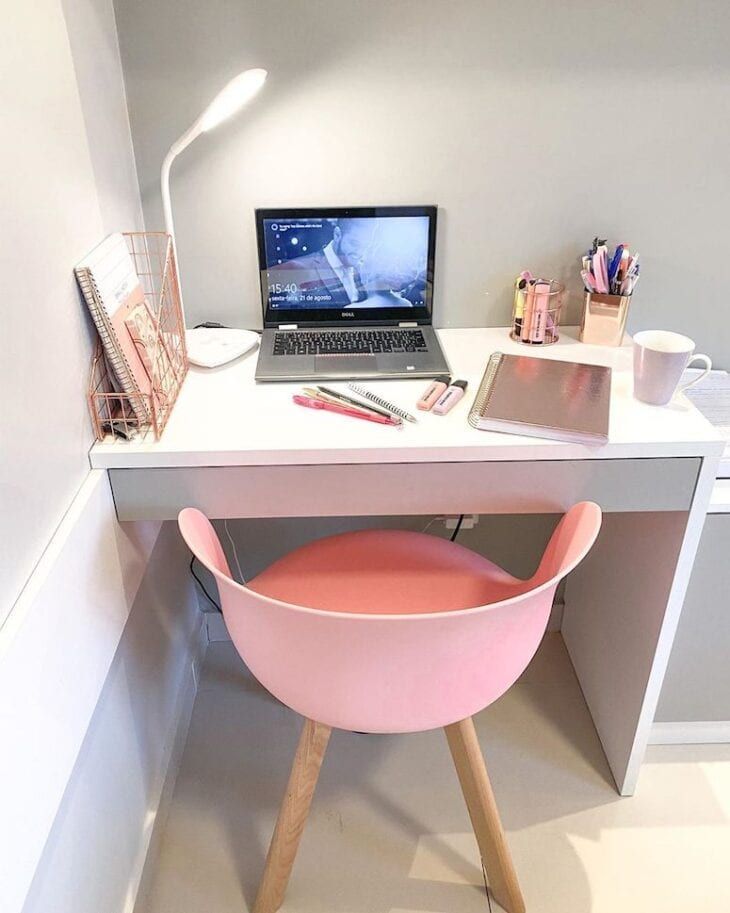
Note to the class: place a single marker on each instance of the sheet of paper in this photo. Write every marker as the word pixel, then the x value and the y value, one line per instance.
pixel 712 397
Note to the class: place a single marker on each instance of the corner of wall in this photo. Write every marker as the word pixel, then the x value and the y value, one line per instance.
pixel 127 763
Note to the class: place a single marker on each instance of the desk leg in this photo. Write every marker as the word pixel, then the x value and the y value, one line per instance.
pixel 622 607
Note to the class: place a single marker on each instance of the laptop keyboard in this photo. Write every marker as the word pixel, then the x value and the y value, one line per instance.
pixel 348 342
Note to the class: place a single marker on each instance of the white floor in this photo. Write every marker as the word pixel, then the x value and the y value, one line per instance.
pixel 389 832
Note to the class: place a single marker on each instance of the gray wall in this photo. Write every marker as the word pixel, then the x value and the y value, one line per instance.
pixel 64 187
pixel 532 124
pixel 92 36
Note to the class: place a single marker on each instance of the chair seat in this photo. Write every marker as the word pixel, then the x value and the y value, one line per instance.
pixel 386 572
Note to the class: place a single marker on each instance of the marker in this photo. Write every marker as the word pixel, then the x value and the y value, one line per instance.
pixel 519 304
pixel 540 311
pixel 433 392
pixel 451 397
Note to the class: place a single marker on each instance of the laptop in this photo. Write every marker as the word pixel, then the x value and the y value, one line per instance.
pixel 347 293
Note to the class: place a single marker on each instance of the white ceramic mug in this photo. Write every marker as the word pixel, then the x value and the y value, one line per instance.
pixel 660 358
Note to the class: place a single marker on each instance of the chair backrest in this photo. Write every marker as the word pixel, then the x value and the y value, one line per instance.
pixel 570 542
pixel 391 673
pixel 203 542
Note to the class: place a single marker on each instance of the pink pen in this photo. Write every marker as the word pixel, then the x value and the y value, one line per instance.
pixel 311 403
pixel 450 398
pixel 433 392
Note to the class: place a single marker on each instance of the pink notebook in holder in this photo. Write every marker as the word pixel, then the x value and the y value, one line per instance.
pixel 541 397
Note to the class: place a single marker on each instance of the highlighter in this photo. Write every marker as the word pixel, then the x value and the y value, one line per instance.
pixel 433 392
pixel 518 307
pixel 540 312
pixel 528 312
pixel 450 397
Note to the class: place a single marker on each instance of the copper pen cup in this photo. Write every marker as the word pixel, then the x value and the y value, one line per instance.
pixel 604 319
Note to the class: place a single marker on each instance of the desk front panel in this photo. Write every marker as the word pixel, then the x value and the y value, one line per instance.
pixel 392 489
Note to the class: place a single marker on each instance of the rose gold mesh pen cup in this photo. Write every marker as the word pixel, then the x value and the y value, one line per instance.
pixel 604 319
pixel 536 311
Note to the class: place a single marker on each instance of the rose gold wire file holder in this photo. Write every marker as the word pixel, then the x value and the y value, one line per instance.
pixel 536 313
pixel 604 319
pixel 118 415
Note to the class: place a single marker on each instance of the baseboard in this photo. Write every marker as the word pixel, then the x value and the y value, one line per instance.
pixel 690 733
pixel 141 881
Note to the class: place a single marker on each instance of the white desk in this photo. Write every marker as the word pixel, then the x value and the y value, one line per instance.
pixel 235 449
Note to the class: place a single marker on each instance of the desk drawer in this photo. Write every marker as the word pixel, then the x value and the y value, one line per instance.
pixel 547 486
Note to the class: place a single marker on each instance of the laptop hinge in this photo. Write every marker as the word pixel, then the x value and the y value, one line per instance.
pixel 288 326
pixel 407 323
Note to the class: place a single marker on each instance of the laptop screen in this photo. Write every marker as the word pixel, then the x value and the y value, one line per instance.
pixel 363 265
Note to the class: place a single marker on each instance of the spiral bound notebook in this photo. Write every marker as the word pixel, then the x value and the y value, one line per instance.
pixel 113 293
pixel 541 397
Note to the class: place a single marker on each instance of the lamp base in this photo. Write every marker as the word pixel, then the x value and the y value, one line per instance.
pixel 211 347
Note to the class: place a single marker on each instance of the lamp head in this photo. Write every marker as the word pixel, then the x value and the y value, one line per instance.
pixel 231 97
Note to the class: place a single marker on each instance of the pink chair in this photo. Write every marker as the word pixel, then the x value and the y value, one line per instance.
pixel 390 631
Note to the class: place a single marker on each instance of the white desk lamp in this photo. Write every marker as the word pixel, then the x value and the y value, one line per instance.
pixel 212 347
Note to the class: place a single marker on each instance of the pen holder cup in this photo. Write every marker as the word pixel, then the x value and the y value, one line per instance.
pixel 604 319
pixel 536 313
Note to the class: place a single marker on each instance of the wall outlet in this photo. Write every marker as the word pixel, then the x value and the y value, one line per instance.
pixel 469 522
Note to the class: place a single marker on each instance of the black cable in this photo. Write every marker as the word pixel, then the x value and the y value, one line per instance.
pixel 457 527
pixel 202 586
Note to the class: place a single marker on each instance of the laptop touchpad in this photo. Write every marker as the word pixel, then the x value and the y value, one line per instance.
pixel 345 364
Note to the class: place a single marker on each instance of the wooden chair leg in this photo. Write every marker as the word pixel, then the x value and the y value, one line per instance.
pixel 292 816
pixel 477 789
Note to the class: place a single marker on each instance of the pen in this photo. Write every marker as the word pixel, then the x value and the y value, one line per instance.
pixel 354 403
pixel 382 403
pixel 612 275
pixel 599 270
pixel 621 272
pixel 311 403
pixel 316 393
pixel 615 262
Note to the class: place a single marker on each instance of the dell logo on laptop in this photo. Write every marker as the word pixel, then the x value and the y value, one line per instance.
pixel 348 314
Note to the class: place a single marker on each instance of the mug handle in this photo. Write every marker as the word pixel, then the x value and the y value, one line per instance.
pixel 708 368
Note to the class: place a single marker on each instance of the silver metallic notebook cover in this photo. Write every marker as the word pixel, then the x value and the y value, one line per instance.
pixel 540 397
